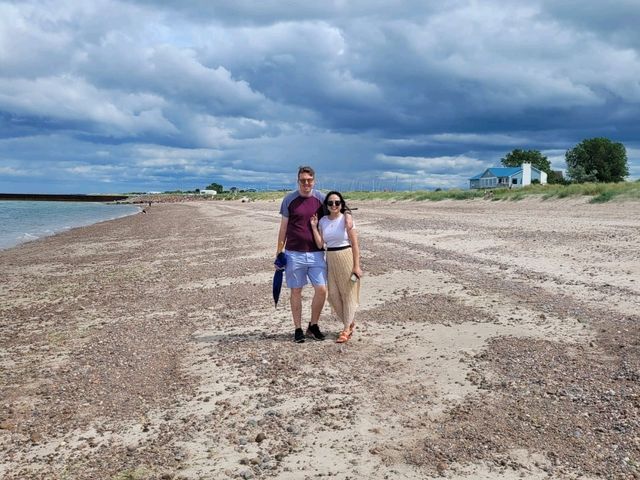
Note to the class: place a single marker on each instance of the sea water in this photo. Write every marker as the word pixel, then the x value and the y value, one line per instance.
pixel 22 221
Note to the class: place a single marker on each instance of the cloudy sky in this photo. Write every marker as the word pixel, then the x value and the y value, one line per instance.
pixel 119 96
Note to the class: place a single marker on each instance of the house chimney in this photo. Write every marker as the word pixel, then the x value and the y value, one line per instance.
pixel 526 174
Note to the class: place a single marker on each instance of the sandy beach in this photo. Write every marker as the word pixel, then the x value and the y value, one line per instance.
pixel 495 340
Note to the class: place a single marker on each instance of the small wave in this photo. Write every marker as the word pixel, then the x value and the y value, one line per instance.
pixel 43 219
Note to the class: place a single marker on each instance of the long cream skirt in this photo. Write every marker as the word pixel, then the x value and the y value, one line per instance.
pixel 344 295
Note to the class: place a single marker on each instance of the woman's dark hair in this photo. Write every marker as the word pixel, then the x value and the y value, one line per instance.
pixel 344 207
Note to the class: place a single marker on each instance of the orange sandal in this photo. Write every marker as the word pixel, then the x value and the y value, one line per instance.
pixel 343 337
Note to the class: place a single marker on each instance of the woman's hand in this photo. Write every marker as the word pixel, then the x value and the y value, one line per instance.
pixel 357 271
pixel 317 235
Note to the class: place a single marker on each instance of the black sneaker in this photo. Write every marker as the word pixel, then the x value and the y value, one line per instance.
pixel 298 337
pixel 314 331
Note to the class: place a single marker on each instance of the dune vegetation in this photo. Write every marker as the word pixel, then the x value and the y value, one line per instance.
pixel 599 193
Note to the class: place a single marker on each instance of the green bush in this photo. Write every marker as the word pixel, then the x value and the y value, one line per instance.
pixel 603 197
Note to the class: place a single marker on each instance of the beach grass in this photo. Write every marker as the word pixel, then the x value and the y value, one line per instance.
pixel 600 193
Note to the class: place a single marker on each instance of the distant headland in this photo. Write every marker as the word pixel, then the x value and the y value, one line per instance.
pixel 62 197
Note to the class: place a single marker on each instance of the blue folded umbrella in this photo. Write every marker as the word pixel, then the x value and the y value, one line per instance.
pixel 280 263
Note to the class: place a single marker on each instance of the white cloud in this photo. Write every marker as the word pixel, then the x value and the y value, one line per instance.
pixel 13 172
pixel 90 170
pixel 508 55
pixel 72 98
pixel 26 47
pixel 157 156
pixel 479 139
pixel 434 164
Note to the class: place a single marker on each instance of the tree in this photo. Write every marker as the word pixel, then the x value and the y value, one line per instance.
pixel 579 175
pixel 517 157
pixel 597 159
pixel 556 176
pixel 215 186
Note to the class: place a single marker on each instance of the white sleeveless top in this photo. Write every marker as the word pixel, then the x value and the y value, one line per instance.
pixel 334 232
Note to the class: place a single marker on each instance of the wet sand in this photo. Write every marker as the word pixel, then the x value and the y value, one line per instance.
pixel 495 340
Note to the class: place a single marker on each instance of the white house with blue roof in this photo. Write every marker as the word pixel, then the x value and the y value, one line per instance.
pixel 494 177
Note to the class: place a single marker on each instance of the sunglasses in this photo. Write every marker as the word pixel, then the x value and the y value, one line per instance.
pixel 331 203
pixel 306 180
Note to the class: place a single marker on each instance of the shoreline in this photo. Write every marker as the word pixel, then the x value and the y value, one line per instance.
pixel 150 344
pixel 13 241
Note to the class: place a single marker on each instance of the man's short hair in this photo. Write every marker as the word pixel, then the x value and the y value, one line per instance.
pixel 306 169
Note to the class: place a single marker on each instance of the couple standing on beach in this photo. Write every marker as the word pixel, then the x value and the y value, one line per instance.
pixel 311 221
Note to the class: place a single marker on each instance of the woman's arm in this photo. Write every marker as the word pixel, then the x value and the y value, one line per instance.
pixel 317 236
pixel 352 233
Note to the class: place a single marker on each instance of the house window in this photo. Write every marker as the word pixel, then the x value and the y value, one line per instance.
pixel 514 181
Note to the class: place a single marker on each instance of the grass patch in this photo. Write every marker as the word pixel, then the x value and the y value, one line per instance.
pixel 602 198
pixel 517 196
pixel 601 192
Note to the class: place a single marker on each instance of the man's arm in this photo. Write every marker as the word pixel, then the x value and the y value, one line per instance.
pixel 282 234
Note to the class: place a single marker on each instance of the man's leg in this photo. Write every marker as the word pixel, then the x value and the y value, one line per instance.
pixel 318 275
pixel 296 306
pixel 319 297
pixel 296 275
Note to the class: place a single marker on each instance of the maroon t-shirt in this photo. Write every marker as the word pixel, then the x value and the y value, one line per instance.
pixel 299 210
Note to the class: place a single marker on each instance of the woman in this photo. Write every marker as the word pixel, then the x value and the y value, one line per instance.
pixel 337 231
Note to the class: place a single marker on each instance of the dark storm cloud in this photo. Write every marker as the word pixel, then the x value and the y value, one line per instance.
pixel 616 21
pixel 155 95
pixel 249 12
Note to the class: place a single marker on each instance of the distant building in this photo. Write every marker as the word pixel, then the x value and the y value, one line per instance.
pixel 495 177
pixel 208 192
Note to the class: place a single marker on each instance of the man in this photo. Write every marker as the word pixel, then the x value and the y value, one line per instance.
pixel 304 259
